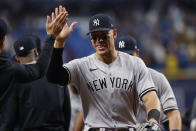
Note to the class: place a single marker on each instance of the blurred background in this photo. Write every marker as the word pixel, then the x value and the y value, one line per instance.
pixel 165 30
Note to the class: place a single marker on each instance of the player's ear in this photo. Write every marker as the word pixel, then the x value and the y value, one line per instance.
pixel 138 52
pixel 2 43
pixel 36 52
pixel 114 33
pixel 17 58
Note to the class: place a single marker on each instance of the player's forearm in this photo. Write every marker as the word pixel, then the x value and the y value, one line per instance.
pixel 174 120
pixel 56 73
pixel 79 123
pixel 152 103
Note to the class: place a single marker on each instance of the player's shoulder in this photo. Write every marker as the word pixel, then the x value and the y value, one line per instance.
pixel 130 60
pixel 88 59
pixel 155 73
pixel 83 59
pixel 127 56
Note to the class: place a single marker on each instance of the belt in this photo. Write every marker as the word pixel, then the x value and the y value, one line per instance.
pixel 111 129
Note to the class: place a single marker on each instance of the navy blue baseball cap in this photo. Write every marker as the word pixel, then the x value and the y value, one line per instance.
pixel 37 41
pixel 24 45
pixel 100 22
pixel 126 44
pixel 3 29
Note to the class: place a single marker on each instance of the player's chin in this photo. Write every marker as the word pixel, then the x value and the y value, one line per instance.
pixel 101 52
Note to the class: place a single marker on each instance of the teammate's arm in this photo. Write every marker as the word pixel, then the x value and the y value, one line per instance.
pixel 56 73
pixel 73 89
pixel 34 71
pixel 174 120
pixel 79 123
pixel 169 104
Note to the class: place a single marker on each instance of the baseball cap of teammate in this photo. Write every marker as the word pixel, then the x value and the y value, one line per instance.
pixel 24 45
pixel 126 44
pixel 37 41
pixel 100 22
pixel 3 29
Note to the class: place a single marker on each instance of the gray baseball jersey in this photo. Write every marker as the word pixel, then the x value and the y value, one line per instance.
pixel 165 94
pixel 110 93
pixel 76 107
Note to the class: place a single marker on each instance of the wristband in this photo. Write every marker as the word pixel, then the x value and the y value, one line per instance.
pixel 155 114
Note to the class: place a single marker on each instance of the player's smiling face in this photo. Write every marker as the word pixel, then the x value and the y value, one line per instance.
pixel 103 41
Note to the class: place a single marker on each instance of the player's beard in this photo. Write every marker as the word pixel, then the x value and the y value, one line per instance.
pixel 102 49
pixel 107 56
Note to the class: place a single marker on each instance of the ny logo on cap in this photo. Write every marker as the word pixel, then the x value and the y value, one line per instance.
pixel 121 44
pixel 96 22
pixel 21 48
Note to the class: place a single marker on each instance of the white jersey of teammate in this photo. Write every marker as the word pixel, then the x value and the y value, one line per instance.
pixel 76 107
pixel 165 94
pixel 110 93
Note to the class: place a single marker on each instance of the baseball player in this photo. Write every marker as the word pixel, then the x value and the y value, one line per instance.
pixel 12 72
pixel 33 98
pixel 193 116
pixel 110 83
pixel 128 45
pixel 75 109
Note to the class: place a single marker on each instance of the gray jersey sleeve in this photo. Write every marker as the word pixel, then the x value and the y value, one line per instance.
pixel 165 92
pixel 144 82
pixel 72 67
pixel 167 98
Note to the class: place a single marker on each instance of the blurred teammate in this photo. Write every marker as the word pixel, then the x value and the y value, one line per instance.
pixel 165 93
pixel 108 87
pixel 12 72
pixel 193 116
pixel 76 123
pixel 40 105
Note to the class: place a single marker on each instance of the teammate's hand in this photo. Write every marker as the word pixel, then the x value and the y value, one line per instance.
pixel 56 25
pixel 150 126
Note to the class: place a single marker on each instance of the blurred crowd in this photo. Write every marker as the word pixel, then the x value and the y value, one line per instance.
pixel 165 30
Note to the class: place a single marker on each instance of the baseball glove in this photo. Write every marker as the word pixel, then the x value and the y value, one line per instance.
pixel 149 126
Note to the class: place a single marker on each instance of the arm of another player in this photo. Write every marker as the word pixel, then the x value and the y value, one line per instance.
pixel 175 123
pixel 56 62
pixel 169 104
pixel 79 123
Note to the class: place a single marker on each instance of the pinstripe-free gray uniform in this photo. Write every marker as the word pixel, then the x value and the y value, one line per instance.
pixel 165 94
pixel 110 93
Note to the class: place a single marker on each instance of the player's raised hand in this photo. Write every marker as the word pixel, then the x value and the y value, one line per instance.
pixel 55 26
pixel 66 31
